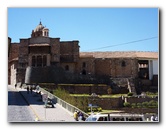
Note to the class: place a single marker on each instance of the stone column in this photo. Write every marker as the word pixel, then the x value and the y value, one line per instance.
pixel 48 59
pixel 30 60
pixel 150 63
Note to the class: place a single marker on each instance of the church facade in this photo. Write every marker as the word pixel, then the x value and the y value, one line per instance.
pixel 46 58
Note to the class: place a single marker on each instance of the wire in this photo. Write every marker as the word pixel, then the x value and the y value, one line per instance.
pixel 123 43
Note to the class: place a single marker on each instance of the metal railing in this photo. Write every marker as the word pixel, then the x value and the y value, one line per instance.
pixel 62 103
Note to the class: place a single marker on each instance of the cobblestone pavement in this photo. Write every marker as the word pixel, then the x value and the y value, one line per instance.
pixel 18 109
pixel 56 114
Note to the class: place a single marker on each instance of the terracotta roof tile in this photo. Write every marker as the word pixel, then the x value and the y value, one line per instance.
pixel 121 54
pixel 41 44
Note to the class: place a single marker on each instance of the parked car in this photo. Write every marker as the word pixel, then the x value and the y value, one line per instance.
pixel 116 117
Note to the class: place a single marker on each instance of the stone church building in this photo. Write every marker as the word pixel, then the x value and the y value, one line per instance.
pixel 43 59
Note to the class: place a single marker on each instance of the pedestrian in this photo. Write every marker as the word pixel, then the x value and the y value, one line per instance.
pixel 27 89
pixel 37 88
pixel 15 85
pixel 21 86
pixel 31 89
pixel 81 116
pixel 147 119
pixel 156 118
pixel 152 118
pixel 76 115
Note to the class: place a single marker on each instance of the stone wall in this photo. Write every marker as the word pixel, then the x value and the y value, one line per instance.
pixel 14 50
pixel 117 104
pixel 103 67
pixel 140 99
pixel 49 74
pixel 69 51
pixel 106 103
pixel 13 77
pixel 55 49
pixel 78 88
pixel 86 64
pixel 116 67
pixel 85 89
pixel 23 51
pixel 68 67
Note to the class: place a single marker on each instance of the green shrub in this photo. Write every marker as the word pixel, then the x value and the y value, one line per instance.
pixel 95 109
pixel 153 103
pixel 130 94
pixel 145 104
pixel 150 104
pixel 126 104
pixel 133 105
pixel 79 102
pixel 139 105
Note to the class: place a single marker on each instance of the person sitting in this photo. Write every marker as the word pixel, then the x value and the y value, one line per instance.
pixel 50 102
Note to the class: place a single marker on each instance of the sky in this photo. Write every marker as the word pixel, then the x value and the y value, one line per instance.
pixel 96 29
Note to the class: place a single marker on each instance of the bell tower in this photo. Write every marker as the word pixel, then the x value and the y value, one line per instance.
pixel 39 31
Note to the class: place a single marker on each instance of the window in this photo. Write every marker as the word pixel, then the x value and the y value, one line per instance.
pixel 67 68
pixel 83 72
pixel 100 119
pixel 33 61
pixel 83 64
pixel 123 64
pixel 44 60
pixel 143 69
pixel 39 61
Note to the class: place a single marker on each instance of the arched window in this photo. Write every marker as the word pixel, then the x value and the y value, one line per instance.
pixel 33 61
pixel 67 68
pixel 123 63
pixel 39 61
pixel 44 60
pixel 83 72
pixel 83 64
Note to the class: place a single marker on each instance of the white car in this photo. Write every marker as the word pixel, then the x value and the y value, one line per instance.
pixel 116 117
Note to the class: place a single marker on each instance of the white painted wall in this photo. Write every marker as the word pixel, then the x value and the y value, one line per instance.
pixel 150 69
pixel 155 67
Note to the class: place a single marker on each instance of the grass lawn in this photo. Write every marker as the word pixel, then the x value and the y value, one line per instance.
pixel 100 96
pixel 80 95
pixel 106 111
pixel 112 96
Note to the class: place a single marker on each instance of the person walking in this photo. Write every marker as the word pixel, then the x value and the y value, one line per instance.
pixel 15 85
pixel 27 89
pixel 31 89
pixel 76 115
pixel 80 116
pixel 152 118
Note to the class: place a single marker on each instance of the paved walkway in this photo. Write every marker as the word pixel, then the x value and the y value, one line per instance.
pixel 57 114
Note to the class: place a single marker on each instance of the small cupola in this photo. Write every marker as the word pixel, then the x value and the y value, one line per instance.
pixel 40 30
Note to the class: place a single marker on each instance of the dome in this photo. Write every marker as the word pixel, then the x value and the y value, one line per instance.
pixel 39 27
pixel 45 28
pixel 40 30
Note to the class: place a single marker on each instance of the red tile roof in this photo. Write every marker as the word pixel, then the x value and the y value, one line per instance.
pixel 41 44
pixel 121 54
